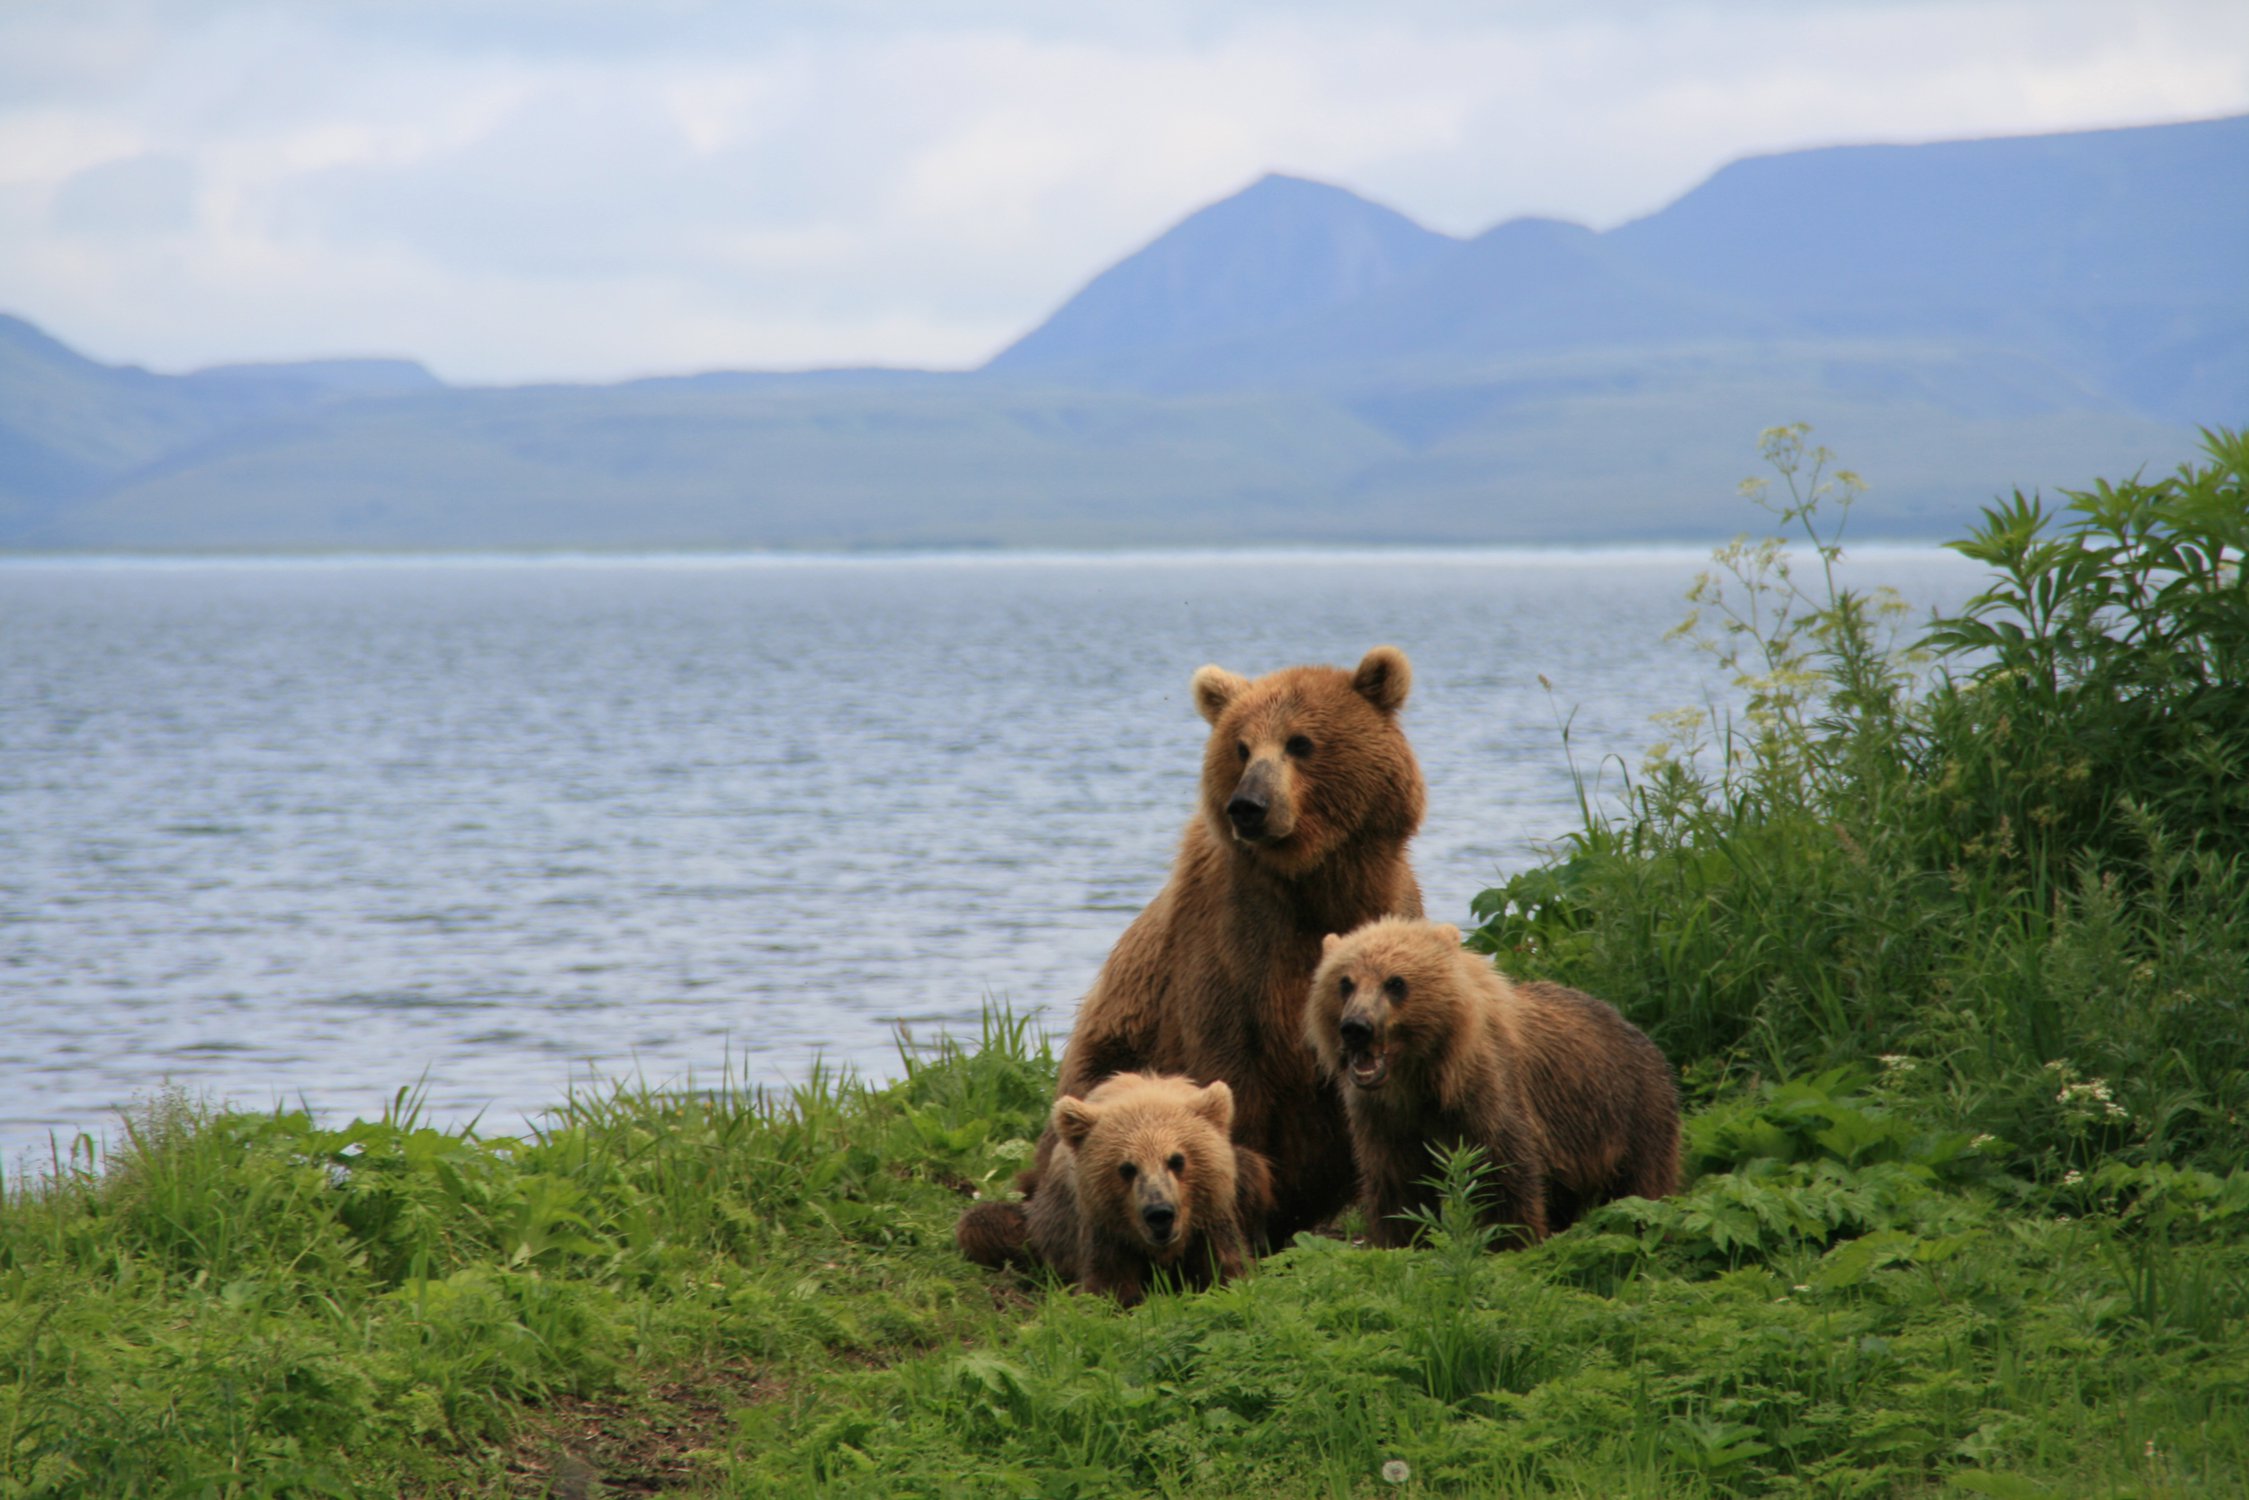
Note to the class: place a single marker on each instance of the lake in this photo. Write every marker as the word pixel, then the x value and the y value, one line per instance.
pixel 283 830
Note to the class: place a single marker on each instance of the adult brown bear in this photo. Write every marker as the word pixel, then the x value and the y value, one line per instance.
pixel 1309 796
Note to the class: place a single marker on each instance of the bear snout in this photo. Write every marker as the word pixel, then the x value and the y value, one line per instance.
pixel 1365 1058
pixel 1258 810
pixel 1247 813
pixel 1156 1202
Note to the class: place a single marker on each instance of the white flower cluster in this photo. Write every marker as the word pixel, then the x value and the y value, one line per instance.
pixel 2089 1093
pixel 2087 1099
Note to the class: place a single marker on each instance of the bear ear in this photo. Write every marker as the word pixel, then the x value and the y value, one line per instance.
pixel 1073 1119
pixel 1216 1104
pixel 1449 933
pixel 1384 679
pixel 1330 943
pixel 1215 688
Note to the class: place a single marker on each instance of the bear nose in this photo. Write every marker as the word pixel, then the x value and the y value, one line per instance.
pixel 1159 1218
pixel 1247 809
pixel 1358 1032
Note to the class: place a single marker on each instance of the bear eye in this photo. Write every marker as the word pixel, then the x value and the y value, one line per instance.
pixel 1394 987
pixel 1345 987
pixel 1178 1163
pixel 1299 746
pixel 1241 748
pixel 1127 1171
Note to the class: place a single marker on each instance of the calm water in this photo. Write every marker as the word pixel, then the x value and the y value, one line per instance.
pixel 273 831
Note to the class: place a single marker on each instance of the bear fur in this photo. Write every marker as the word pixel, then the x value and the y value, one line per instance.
pixel 1309 796
pixel 1571 1103
pixel 1143 1178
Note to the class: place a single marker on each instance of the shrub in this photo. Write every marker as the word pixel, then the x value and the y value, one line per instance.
pixel 2021 841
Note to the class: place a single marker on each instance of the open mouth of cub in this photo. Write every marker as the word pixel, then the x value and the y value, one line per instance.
pixel 1368 1068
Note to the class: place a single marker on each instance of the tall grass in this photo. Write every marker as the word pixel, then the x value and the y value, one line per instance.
pixel 254 1304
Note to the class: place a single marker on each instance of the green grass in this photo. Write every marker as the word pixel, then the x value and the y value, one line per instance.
pixel 749 1295
pixel 1967 1208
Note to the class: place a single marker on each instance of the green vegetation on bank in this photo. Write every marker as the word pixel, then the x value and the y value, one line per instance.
pixel 1950 937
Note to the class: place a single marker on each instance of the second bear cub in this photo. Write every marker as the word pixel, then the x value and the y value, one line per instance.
pixel 1435 1048
pixel 1143 1178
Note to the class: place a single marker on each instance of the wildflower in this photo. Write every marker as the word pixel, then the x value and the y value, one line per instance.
pixel 1802 1287
pixel 1979 1143
pixel 2072 1177
pixel 1396 1472
pixel 1896 1064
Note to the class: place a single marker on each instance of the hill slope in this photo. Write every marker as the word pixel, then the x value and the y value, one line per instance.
pixel 1272 255
pixel 1293 364
pixel 2111 256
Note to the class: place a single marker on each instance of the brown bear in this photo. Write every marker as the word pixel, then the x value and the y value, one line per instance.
pixel 1309 796
pixel 1571 1103
pixel 1143 1178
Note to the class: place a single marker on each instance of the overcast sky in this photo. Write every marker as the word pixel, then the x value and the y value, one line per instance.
pixel 590 189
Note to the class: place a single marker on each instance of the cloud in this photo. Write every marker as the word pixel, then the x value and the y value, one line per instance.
pixel 583 189
pixel 149 194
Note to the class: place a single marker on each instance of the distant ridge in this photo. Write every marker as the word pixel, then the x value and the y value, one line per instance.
pixel 1279 251
pixel 2114 254
pixel 1293 364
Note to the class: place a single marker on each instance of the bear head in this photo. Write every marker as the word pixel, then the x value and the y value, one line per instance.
pixel 1388 998
pixel 1154 1162
pixel 1304 761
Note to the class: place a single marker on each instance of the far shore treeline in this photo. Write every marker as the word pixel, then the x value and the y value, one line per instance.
pixel 1947 936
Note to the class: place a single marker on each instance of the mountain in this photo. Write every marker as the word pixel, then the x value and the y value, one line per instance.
pixel 1272 255
pixel 2110 256
pixel 1526 286
pixel 2117 252
pixel 1960 235
pixel 1294 364
pixel 71 428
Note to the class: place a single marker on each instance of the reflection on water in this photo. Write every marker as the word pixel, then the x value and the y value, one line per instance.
pixel 283 830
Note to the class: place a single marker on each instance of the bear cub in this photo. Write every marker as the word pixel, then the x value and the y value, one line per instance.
pixel 1143 1177
pixel 1435 1048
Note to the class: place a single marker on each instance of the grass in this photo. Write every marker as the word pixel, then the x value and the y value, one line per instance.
pixel 758 1295
pixel 1966 1210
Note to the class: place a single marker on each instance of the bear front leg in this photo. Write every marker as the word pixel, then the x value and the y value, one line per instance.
pixel 1225 1257
pixel 1516 1203
pixel 1109 1269
pixel 1116 1277
pixel 1384 1198
pixel 1513 1193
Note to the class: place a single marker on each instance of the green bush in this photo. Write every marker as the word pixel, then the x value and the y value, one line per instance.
pixel 2016 850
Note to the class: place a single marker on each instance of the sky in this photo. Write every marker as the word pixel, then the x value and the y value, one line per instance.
pixel 530 190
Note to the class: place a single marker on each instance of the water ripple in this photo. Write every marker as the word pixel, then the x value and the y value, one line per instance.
pixel 279 831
